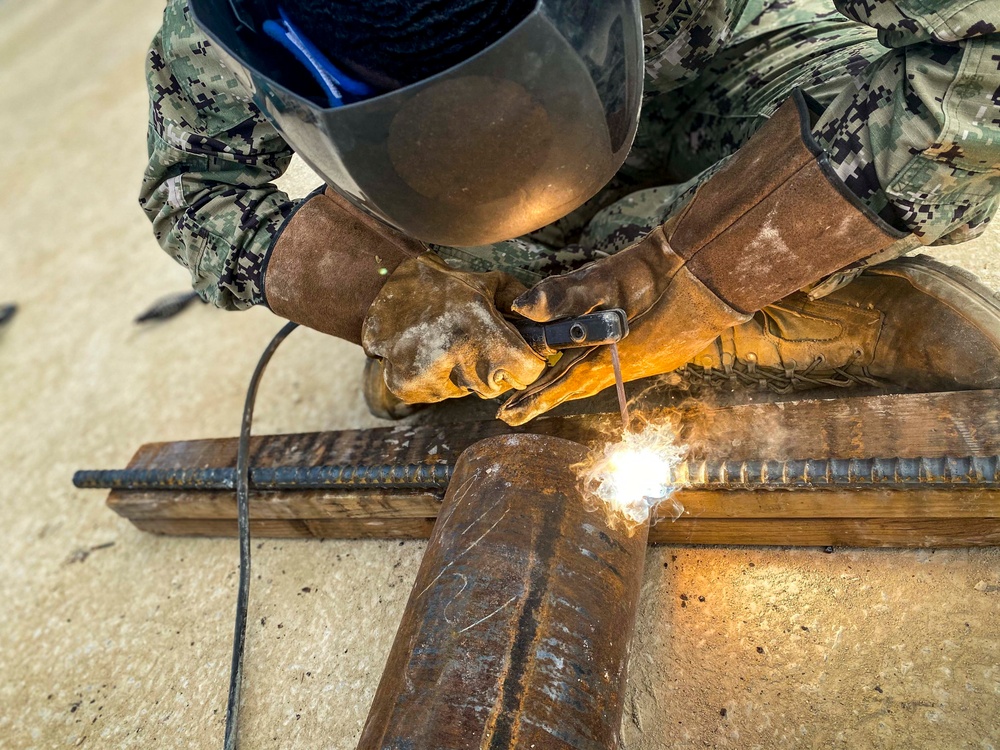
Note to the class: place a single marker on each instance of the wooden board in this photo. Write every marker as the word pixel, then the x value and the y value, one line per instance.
pixel 705 504
pixel 906 425
pixel 804 532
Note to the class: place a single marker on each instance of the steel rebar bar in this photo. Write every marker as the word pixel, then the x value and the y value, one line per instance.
pixel 762 474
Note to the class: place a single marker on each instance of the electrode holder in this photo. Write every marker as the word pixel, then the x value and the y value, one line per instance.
pixel 593 329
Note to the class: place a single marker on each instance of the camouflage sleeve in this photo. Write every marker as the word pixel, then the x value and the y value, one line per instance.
pixel 212 158
pixel 917 135
pixel 681 37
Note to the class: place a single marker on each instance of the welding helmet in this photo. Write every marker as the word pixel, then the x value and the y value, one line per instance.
pixel 501 144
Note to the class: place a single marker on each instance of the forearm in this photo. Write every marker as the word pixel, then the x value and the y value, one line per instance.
pixel 901 23
pixel 208 185
pixel 917 136
pixel 221 233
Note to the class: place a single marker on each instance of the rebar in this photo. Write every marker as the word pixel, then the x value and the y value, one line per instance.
pixel 757 474
pixel 839 472
pixel 401 476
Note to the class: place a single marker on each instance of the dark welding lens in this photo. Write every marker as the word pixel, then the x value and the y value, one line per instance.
pixel 498 145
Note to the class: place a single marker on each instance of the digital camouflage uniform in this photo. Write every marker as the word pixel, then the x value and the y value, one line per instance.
pixel 911 91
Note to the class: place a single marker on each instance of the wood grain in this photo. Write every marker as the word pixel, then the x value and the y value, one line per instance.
pixel 907 425
pixel 362 504
pixel 814 532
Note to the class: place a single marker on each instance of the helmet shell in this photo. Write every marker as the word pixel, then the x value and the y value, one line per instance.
pixel 499 145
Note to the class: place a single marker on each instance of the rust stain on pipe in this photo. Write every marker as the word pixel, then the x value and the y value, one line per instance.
pixel 517 631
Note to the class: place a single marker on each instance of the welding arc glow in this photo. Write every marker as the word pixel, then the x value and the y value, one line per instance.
pixel 634 476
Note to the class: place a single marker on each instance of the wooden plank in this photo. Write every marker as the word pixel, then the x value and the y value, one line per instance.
pixel 906 425
pixel 823 532
pixel 328 504
pixel 937 424
pixel 914 503
pixel 958 423
pixel 286 528
pixel 815 532
pixel 272 505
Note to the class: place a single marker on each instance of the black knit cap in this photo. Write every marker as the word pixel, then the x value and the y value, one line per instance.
pixel 405 40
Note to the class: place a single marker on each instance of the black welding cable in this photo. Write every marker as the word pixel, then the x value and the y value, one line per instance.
pixel 243 515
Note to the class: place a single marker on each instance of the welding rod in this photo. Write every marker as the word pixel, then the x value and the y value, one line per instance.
pixel 758 474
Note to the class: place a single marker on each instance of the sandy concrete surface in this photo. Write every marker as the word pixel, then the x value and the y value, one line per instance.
pixel 111 638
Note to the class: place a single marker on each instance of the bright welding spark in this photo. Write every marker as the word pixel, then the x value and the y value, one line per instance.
pixel 633 477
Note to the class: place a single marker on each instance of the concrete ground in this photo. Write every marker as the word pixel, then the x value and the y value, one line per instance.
pixel 111 638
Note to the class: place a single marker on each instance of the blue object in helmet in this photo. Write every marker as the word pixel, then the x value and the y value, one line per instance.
pixel 339 87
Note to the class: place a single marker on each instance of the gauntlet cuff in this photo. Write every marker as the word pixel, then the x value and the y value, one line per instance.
pixel 776 218
pixel 329 263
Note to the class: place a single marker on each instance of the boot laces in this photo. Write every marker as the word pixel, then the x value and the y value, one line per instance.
pixel 746 371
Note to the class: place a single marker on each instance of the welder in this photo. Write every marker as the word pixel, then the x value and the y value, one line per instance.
pixel 485 159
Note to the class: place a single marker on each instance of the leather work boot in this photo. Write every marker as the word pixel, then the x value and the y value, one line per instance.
pixel 911 322
pixel 380 400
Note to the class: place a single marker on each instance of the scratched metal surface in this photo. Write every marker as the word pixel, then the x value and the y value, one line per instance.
pixel 516 632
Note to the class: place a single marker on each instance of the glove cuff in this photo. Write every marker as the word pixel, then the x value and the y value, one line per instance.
pixel 776 218
pixel 328 264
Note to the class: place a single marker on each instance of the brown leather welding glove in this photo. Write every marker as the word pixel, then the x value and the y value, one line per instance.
pixel 773 220
pixel 329 262
pixel 441 334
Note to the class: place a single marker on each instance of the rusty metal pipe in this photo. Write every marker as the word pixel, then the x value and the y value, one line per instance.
pixel 517 630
